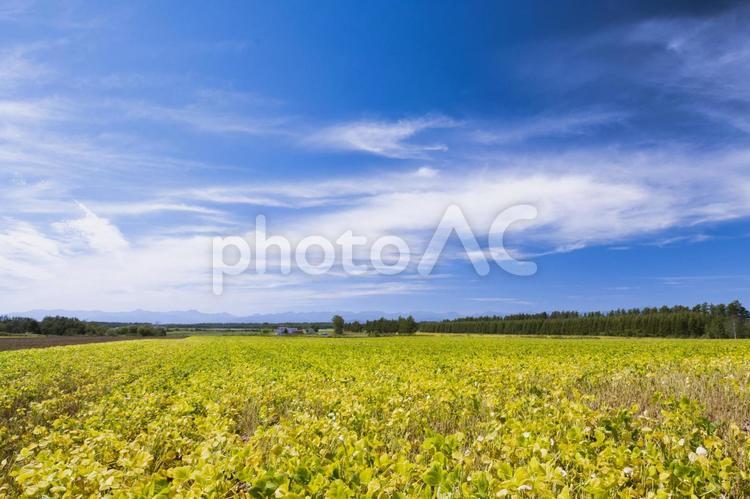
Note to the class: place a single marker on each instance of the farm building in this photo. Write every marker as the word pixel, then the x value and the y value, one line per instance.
pixel 282 330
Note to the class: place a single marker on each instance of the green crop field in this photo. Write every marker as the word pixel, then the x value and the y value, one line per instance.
pixel 379 417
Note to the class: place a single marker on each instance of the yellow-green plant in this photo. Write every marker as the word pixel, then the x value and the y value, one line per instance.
pixel 378 417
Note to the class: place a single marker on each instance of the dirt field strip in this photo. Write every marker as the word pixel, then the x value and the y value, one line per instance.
pixel 20 343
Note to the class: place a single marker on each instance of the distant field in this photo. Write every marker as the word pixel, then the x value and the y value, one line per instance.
pixel 431 416
pixel 270 331
pixel 216 332
pixel 21 342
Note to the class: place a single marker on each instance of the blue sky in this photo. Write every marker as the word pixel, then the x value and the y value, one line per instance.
pixel 131 134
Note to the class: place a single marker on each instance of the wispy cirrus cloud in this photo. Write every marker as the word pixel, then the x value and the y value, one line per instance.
pixel 626 198
pixel 136 208
pixel 19 67
pixel 383 138
pixel 339 190
pixel 561 125
pixel 210 120
pixel 708 56
pixel 694 65
pixel 32 111
pixel 60 138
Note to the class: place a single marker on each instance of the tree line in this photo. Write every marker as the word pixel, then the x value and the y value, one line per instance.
pixel 701 321
pixel 69 326
pixel 384 327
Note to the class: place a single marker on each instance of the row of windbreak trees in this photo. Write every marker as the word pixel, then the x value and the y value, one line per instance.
pixel 68 326
pixel 385 327
pixel 701 321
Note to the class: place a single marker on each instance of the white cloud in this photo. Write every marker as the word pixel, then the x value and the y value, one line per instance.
pixel 207 119
pixel 24 197
pixel 572 207
pixel 87 259
pixel 95 232
pixel 17 67
pixel 710 56
pixel 389 139
pixel 26 253
pixel 576 123
pixel 307 194
pixel 254 195
pixel 34 111
pixel 34 147
pixel 427 172
pixel 584 198
pixel 134 208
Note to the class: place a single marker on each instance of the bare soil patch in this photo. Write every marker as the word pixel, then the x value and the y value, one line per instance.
pixel 20 343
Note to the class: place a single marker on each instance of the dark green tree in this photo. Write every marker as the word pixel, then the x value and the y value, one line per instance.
pixel 338 324
pixel 407 325
pixel 738 316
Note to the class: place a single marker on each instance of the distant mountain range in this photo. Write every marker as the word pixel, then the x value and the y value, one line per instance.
pixel 197 317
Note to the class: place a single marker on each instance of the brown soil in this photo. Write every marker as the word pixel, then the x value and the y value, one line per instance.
pixel 9 343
